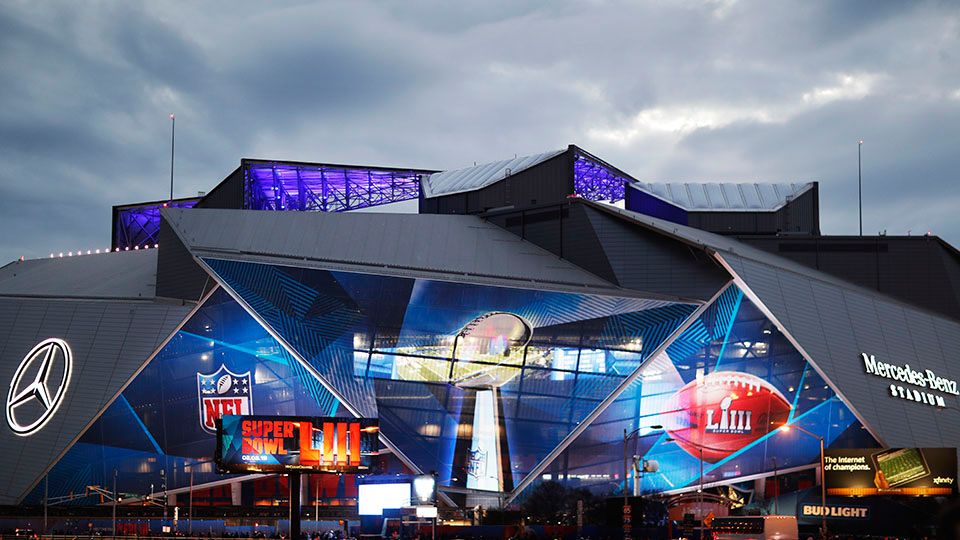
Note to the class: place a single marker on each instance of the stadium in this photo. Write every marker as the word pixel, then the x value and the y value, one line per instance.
pixel 506 323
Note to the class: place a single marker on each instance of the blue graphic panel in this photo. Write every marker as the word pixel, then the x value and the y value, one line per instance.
pixel 222 361
pixel 477 383
pixel 717 397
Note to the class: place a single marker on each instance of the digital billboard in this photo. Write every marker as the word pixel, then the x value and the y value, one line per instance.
pixel 375 498
pixel 891 471
pixel 295 443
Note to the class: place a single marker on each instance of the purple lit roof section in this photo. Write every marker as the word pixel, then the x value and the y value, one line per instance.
pixel 595 181
pixel 325 188
pixel 140 225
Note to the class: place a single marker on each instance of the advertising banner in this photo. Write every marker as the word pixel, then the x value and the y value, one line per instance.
pixel 295 443
pixel 891 471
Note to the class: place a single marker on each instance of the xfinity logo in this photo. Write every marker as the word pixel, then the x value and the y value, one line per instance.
pixel 38 386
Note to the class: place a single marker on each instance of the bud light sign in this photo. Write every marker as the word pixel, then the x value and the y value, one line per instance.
pixel 295 443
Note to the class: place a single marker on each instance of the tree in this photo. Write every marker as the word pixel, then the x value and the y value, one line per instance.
pixel 546 503
pixel 551 502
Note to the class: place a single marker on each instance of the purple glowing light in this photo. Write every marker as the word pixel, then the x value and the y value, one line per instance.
pixel 595 181
pixel 325 188
pixel 140 225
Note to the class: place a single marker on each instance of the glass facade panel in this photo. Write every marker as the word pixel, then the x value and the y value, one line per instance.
pixel 221 361
pixel 720 392
pixel 475 382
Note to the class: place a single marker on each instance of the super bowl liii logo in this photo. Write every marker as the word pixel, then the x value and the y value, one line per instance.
pixel 923 379
pixel 730 421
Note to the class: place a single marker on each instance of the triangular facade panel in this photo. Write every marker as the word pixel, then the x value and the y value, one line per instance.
pixel 105 353
pixel 220 360
pixel 529 364
pixel 723 387
pixel 647 261
pixel 836 326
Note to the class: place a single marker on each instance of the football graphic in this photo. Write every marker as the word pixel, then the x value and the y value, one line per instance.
pixel 722 412
pixel 223 384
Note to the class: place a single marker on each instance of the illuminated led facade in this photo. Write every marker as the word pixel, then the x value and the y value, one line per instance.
pixel 138 225
pixel 325 188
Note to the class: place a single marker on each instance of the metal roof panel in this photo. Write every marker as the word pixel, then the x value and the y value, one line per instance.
pixel 479 176
pixel 124 274
pixel 725 197
pixel 443 246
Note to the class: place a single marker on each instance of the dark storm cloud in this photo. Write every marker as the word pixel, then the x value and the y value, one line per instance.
pixel 714 90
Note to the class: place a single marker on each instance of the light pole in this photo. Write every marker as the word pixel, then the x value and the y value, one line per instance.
pixel 823 483
pixel 700 489
pixel 190 509
pixel 700 482
pixel 860 184
pixel 163 486
pixel 776 486
pixel 46 493
pixel 626 461
pixel 173 138
pixel 114 503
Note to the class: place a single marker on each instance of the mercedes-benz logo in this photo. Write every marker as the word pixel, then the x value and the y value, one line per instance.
pixel 38 386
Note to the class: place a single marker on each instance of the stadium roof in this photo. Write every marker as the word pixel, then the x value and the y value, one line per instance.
pixel 448 247
pixel 113 275
pixel 478 176
pixel 739 197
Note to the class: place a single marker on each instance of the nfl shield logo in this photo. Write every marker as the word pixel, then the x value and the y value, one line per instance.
pixel 223 392
pixel 477 463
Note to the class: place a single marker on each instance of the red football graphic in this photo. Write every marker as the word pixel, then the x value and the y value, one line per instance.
pixel 722 412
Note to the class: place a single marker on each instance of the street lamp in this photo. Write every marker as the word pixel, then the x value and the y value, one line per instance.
pixel 823 480
pixel 626 467
pixel 700 488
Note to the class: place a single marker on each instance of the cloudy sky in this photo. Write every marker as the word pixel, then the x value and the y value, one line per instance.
pixel 720 90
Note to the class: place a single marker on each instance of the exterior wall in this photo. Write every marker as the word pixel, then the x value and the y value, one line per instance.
pixel 227 194
pixel 836 325
pixel 178 275
pixel 109 342
pixel 918 270
pixel 646 261
pixel 799 216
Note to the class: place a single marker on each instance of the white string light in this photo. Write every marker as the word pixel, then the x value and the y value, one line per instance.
pixel 80 252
